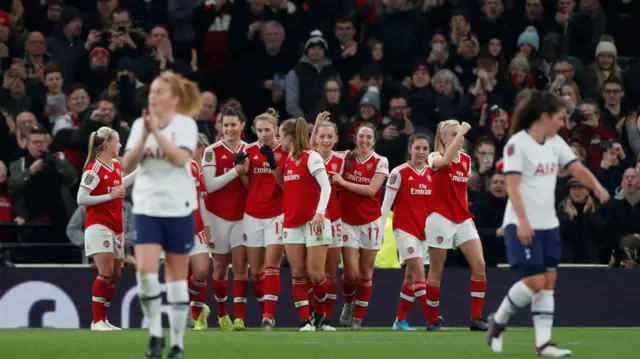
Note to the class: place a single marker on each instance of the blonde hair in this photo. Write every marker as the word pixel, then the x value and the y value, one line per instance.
pixel 326 124
pixel 187 91
pixel 203 140
pixel 96 142
pixel 297 129
pixel 443 127
pixel 520 62
pixel 270 115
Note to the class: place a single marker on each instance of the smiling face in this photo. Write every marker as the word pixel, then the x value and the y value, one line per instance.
pixel 232 128
pixel 365 139
pixel 326 138
pixel 419 151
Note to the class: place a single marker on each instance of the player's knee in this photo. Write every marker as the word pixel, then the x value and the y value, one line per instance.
pixel 316 277
pixel 219 274
pixel 200 275
pixel 478 266
pixel 351 274
pixel 535 282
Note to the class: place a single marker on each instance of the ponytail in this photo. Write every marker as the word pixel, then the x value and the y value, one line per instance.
pixel 96 143
pixel 297 129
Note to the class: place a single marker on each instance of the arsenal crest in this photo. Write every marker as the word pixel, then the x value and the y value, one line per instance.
pixel 106 244
pixel 440 239
pixel 277 156
pixel 465 165
pixel 212 245
pixel 88 179
pixel 244 237
pixel 208 156
pixel 334 167
pixel 345 237
pixel 511 150
pixel 369 167
pixel 410 250
pixel 429 178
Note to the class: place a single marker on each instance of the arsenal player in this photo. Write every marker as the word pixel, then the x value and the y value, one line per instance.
pixel 199 257
pixel 306 230
pixel 263 212
pixel 222 165
pixel 324 139
pixel 101 191
pixel 362 231
pixel 408 191
pixel 450 224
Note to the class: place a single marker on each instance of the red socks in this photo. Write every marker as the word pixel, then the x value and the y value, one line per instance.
pixel 320 294
pixel 478 288
pixel 271 291
pixel 257 283
pixel 221 292
pixel 420 294
pixel 363 294
pixel 433 301
pixel 197 296
pixel 300 291
pixel 240 290
pixel 99 294
pixel 332 295
pixel 310 292
pixel 349 290
pixel 406 301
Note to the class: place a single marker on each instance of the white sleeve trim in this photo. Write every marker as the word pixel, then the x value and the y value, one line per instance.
pixel 85 198
pixel 325 191
pixel 129 179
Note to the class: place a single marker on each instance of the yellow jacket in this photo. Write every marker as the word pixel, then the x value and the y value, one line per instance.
pixel 388 255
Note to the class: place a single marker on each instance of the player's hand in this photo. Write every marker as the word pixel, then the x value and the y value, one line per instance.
pixel 151 123
pixel 240 157
pixel 242 168
pixel 602 194
pixel 19 220
pixel 525 233
pixel 36 166
pixel 500 232
pixel 464 128
pixel 145 128
pixel 323 116
pixel 335 177
pixel 117 192
pixel 268 153
pixel 207 233
pixel 318 223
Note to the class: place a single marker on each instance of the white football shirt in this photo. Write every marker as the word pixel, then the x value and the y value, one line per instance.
pixel 163 189
pixel 537 163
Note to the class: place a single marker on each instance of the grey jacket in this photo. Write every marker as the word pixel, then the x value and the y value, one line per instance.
pixel 75 227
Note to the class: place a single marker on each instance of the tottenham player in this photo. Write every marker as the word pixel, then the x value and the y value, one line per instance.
pixel 532 157
pixel 222 164
pixel 450 224
pixel 324 138
pixel 161 144
pixel 306 230
pixel 101 191
pixel 408 191
pixel 263 216
pixel 360 190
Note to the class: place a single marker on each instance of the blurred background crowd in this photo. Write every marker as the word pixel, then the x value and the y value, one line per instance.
pixel 69 67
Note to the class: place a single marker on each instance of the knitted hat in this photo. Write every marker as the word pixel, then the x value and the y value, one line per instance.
pixel 68 14
pixel 496 111
pixel 5 20
pixel 606 46
pixel 99 50
pixel 125 64
pixel 530 36
pixel 371 98
pixel 316 39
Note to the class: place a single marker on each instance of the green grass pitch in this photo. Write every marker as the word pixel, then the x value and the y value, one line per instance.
pixel 586 343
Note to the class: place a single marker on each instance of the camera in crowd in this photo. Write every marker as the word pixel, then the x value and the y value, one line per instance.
pixel 48 158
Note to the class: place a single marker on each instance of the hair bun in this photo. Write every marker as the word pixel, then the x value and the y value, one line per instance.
pixel 272 111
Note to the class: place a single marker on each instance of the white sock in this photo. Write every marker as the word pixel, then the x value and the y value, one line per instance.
pixel 151 301
pixel 178 298
pixel 542 307
pixel 519 296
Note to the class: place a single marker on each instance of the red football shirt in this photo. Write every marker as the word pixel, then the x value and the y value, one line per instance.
pixel 334 163
pixel 411 205
pixel 202 192
pixel 449 198
pixel 227 202
pixel 101 178
pixel 358 210
pixel 265 195
pixel 301 189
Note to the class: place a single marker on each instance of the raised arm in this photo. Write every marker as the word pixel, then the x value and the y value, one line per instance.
pixel 451 153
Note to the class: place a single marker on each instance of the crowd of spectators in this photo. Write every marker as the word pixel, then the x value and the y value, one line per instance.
pixel 69 67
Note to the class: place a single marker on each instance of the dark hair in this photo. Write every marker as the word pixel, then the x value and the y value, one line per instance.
pixel 298 130
pixel 351 156
pixel 77 87
pixel 231 112
pixel 51 69
pixel 416 137
pixel 487 62
pixel 121 11
pixel 532 107
pixel 37 130
pixel 484 140
pixel 612 79
pixel 345 18
pixel 370 72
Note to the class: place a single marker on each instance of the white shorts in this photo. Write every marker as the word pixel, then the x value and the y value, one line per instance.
pixel 336 234
pixel 444 234
pixel 201 245
pixel 307 236
pixel 366 236
pixel 225 235
pixel 100 239
pixel 261 233
pixel 410 246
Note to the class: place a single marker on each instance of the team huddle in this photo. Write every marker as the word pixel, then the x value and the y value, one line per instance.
pixel 245 205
